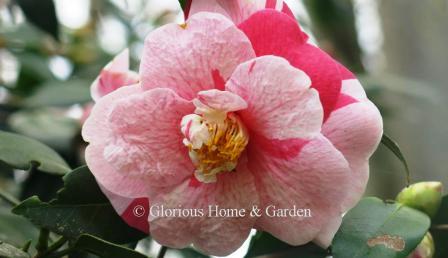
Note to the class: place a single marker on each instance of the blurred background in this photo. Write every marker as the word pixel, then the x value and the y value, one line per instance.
pixel 51 51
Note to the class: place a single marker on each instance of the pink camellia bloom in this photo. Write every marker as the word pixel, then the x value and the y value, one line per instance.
pixel 236 10
pixel 239 117
pixel 116 74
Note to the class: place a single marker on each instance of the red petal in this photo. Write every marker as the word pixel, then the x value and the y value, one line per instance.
pixel 136 215
pixel 275 33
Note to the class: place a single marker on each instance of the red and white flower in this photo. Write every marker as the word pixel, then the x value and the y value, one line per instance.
pixel 236 113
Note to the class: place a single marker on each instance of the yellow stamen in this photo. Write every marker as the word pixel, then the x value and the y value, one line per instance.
pixel 225 145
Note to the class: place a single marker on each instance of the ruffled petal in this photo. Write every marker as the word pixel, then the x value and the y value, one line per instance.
pixel 110 178
pixel 212 235
pixel 221 100
pixel 315 179
pixel 236 10
pixel 116 74
pixel 96 129
pixel 281 104
pixel 135 140
pixel 146 140
pixel 355 130
pixel 197 56
pixel 274 33
pixel 328 231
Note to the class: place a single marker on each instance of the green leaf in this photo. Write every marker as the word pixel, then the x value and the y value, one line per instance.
pixel 46 125
pixel 42 14
pixel 187 253
pixel 264 244
pixel 102 248
pixel 22 152
pixel 34 70
pixel 15 229
pixel 25 36
pixel 60 93
pixel 183 4
pixel 375 229
pixel 80 208
pixel 9 251
pixel 393 146
pixel 439 230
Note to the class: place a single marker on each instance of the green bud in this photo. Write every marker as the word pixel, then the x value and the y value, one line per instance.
pixel 423 196
pixel 425 249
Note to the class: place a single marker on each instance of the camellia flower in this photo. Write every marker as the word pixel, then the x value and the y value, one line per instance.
pixel 237 113
pixel 236 10
pixel 116 74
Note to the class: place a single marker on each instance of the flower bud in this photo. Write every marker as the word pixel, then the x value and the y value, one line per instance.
pixel 423 196
pixel 425 249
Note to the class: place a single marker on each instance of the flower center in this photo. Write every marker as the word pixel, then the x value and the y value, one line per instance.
pixel 215 141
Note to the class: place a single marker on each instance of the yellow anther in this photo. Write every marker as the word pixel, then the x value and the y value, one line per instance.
pixel 221 152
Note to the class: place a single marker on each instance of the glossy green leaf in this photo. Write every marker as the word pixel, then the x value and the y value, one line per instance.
pixel 439 230
pixel 375 229
pixel 46 125
pixel 15 229
pixel 265 244
pixel 393 146
pixel 21 152
pixel 42 14
pixel 9 251
pixel 80 208
pixel 102 248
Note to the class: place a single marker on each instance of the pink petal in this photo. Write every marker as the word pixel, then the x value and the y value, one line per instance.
pixel 135 140
pixel 145 139
pixel 187 58
pixel 315 179
pixel 236 10
pixel 120 62
pixel 355 130
pixel 274 33
pixel 111 179
pixel 328 231
pixel 96 129
pixel 281 104
pixel 116 74
pixel 212 235
pixel 222 100
pixel 353 88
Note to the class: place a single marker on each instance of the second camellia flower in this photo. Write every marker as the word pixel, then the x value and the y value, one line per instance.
pixel 236 117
